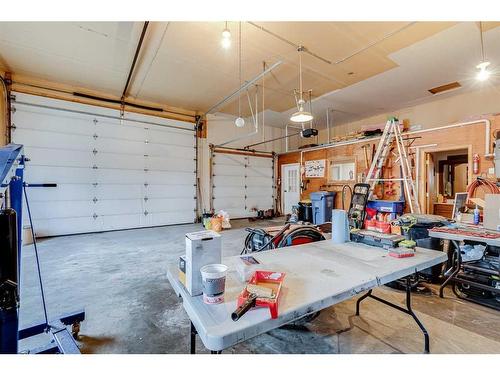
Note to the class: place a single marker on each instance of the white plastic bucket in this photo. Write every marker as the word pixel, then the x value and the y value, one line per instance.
pixel 213 278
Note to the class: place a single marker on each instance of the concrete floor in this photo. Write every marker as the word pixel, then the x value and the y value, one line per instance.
pixel 120 280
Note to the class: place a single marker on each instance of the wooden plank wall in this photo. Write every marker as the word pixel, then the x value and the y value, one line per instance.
pixel 471 137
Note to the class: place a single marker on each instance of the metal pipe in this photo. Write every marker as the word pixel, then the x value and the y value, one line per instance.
pixel 245 86
pixel 254 132
pixel 134 61
pixel 328 124
pixel 272 140
pixel 339 144
pixel 103 116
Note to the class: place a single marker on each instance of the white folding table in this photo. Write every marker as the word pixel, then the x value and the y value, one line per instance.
pixel 455 239
pixel 318 275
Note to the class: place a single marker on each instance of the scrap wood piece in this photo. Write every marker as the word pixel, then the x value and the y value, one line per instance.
pixel 469 233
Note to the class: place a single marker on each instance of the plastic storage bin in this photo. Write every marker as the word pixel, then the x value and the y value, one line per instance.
pixel 395 208
pixel 323 203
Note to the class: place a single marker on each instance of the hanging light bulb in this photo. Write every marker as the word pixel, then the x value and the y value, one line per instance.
pixel 302 115
pixel 240 122
pixel 483 73
pixel 226 38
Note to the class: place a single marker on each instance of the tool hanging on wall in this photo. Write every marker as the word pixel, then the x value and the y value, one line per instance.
pixel 392 132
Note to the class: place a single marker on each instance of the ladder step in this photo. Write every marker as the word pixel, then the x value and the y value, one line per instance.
pixel 386 179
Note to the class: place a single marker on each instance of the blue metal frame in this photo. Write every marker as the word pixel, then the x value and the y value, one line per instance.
pixel 12 163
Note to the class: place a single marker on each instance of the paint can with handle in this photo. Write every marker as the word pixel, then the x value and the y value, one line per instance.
pixel 214 283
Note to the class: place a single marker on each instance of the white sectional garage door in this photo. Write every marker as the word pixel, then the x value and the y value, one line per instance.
pixel 242 184
pixel 110 173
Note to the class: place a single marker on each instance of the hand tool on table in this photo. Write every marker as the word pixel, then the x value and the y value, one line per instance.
pixel 263 290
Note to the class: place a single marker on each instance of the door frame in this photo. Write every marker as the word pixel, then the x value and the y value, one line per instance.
pixel 432 150
pixel 282 188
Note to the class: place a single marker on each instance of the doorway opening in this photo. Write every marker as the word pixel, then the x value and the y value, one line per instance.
pixel 448 171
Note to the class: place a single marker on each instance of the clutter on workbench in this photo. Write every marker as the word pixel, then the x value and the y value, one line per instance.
pixel 491 212
pixel 322 206
pixel 263 290
pixel 246 267
pixel 402 252
pixel 357 208
pixel 213 277
pixel 305 211
pixel 182 269
pixel 372 238
pixel 471 253
pixel 260 239
pixel 340 226
pixel 202 248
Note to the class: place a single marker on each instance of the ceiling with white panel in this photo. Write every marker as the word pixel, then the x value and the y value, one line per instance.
pixel 372 67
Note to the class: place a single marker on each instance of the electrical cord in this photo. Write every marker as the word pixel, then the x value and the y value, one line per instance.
pixel 36 256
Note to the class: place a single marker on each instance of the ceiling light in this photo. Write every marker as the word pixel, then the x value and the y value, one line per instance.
pixel 226 38
pixel 240 122
pixel 483 73
pixel 301 115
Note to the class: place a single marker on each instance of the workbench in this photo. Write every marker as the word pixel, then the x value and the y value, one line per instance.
pixel 457 263
pixel 318 275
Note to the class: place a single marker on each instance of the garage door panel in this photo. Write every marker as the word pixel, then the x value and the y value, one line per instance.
pixel 169 150
pixel 171 137
pixel 62 192
pixel 259 162
pixel 57 157
pixel 235 181
pixel 44 228
pixel 118 191
pixel 259 182
pixel 61 209
pixel 228 192
pixel 242 182
pixel 168 191
pixel 259 172
pixel 119 161
pixel 120 146
pixel 173 204
pixel 52 140
pixel 114 130
pixel 263 191
pixel 106 170
pixel 59 175
pixel 26 118
pixel 169 218
pixel 224 160
pixel 180 178
pixel 174 163
pixel 116 222
pixel 119 207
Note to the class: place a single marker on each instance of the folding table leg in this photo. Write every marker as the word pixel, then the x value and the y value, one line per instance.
pixel 193 339
pixel 368 294
pixel 456 270
pixel 408 310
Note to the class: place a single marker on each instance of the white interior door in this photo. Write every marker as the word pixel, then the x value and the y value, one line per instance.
pixel 110 173
pixel 290 186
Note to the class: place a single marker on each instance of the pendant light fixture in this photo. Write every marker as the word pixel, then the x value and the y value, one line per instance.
pixel 302 115
pixel 483 73
pixel 240 121
pixel 226 37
